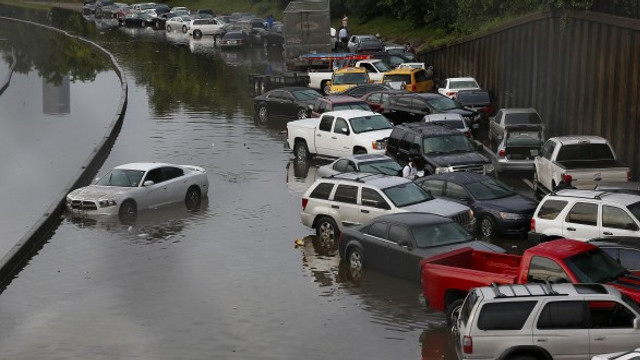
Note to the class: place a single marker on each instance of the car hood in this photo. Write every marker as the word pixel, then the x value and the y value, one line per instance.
pixel 97 192
pixel 437 206
pixel 514 204
pixel 375 135
pixel 466 158
pixel 463 112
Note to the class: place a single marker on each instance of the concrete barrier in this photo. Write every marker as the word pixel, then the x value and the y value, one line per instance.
pixel 40 232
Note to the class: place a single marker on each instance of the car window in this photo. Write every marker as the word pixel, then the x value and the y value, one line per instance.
pixel 490 189
pixel 505 316
pixel 394 138
pixel 447 144
pixel 169 173
pixel 550 209
pixel 407 194
pixel 378 229
pixel 308 94
pixel 563 315
pixel 585 151
pixel 322 191
pixel 543 269
pixel 387 167
pixel 362 124
pixel 154 175
pixel 418 104
pixel 341 127
pixel 405 143
pixel 325 123
pixel 399 234
pixel 547 149
pixel 352 106
pixel 375 98
pixel 610 315
pixel 341 165
pixel 456 191
pixel 617 218
pixel 522 119
pixel 421 75
pixel 594 266
pixel 583 213
pixel 629 258
pixel 441 234
pixel 435 187
pixel 323 107
pixel 372 198
pixel 346 194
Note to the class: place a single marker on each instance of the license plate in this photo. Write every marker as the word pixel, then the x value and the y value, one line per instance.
pixel 232 42
pixel 475 126
pixel 533 152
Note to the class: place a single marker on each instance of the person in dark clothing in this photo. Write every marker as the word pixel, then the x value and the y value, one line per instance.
pixel 565 183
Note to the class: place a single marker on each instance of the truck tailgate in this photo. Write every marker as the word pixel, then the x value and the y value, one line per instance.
pixel 588 177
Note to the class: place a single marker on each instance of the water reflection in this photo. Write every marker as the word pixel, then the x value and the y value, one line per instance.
pixel 56 98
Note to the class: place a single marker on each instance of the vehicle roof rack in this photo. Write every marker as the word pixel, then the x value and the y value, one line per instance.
pixel 497 291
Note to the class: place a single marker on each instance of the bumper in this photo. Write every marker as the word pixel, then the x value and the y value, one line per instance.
pixel 535 237
pixel 307 219
pixel 101 211
pixel 514 227
pixel 515 165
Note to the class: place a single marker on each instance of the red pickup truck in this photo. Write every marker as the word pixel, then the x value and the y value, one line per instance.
pixel 447 278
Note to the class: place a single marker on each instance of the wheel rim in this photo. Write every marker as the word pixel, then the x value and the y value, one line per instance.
pixel 326 89
pixel 263 114
pixel 453 319
pixel 301 152
pixel 302 114
pixel 486 227
pixel 355 264
pixel 326 232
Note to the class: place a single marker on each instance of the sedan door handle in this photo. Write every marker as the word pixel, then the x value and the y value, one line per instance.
pixel 607 233
pixel 571 229
pixel 318 135
pixel 335 207
pixel 541 340
pixel 333 137
pixel 600 338
pixel 365 211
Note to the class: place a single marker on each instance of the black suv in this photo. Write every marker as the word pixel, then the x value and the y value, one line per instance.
pixel 437 149
pixel 412 107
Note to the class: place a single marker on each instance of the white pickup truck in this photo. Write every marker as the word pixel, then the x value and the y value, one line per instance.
pixel 320 79
pixel 339 133
pixel 588 159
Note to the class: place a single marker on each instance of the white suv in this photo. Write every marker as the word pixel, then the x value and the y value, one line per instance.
pixel 585 214
pixel 544 321
pixel 349 199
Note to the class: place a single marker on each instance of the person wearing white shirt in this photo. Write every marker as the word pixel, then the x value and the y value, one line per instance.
pixel 410 171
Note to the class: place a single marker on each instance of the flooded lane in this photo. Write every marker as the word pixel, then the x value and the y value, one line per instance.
pixel 226 281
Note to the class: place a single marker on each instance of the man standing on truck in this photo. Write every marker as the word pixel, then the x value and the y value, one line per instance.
pixel 343 35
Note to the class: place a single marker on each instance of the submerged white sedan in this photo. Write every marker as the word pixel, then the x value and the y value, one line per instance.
pixel 136 186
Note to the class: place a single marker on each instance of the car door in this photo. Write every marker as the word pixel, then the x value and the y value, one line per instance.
pixel 372 205
pixel 561 329
pixel 543 163
pixel 289 106
pixel 419 109
pixel 616 221
pixel 323 134
pixel 374 244
pixel 345 202
pixel 581 222
pixel 400 258
pixel 612 327
pixel 341 139
pixel 493 124
pixel 175 184
pixel 274 103
pixel 153 195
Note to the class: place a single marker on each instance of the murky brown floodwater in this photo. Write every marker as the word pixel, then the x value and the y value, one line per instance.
pixel 224 282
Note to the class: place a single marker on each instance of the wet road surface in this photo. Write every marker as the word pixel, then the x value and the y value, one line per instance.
pixel 225 281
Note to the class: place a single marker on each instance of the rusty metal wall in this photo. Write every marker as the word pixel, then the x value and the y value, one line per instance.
pixel 582 73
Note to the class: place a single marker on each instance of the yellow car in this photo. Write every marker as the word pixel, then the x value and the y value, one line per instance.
pixel 345 78
pixel 410 79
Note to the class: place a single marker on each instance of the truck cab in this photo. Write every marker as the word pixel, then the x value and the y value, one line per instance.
pixel 345 78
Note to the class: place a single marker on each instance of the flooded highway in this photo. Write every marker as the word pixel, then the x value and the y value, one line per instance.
pixel 227 281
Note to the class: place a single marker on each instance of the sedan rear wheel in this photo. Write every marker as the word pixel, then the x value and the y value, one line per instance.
pixel 355 261
pixel 263 114
pixel 197 34
pixel 193 198
pixel 302 113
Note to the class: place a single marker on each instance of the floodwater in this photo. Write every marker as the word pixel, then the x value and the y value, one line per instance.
pixel 225 282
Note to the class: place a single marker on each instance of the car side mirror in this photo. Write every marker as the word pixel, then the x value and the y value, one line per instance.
pixel 344 131
pixel 382 205
pixel 631 226
pixel 636 323
pixel 148 183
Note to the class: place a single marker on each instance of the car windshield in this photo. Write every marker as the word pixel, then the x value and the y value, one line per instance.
pixel 440 234
pixel 466 84
pixel 489 189
pixel 594 266
pixel 369 123
pixel 523 138
pixel 473 98
pixel 443 103
pixel 381 66
pixel 522 119
pixel 121 178
pixel 350 78
pixel 352 106
pixel 407 194
pixel 585 151
pixel 387 167
pixel 307 94
pixel 446 144
pixel 456 124
pixel 635 210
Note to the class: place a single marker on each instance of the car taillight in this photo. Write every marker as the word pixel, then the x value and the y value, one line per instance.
pixel 450 93
pixel 340 238
pixel 304 203
pixel 533 225
pixel 467 134
pixel 467 345
pixel 502 153
pixel 411 87
pixel 629 175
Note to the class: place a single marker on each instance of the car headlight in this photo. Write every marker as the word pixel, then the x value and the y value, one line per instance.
pixel 106 203
pixel 442 170
pixel 378 145
pixel 510 216
pixel 488 168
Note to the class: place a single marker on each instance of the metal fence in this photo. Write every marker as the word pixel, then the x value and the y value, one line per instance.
pixel 581 72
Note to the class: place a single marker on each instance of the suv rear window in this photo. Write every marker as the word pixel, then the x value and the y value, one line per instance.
pixel 505 316
pixel 550 209
pixel 322 191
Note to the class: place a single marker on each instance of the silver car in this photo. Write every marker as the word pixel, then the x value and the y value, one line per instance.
pixel 366 163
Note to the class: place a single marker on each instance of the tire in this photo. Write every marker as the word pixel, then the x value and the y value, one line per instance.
pixel 216 39
pixel 327 232
pixel 360 151
pixel 355 264
pixel 263 114
pixel 128 211
pixel 168 28
pixel 326 89
pixel 193 198
pixel 302 113
pixel 536 186
pixel 523 357
pixel 487 226
pixel 453 310
pixel 301 150
pixel 184 29
pixel 144 24
pixel 197 34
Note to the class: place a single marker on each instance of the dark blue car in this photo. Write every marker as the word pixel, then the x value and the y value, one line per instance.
pixel 498 209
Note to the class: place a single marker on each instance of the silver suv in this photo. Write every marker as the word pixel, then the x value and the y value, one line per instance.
pixel 539 321
pixel 350 199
